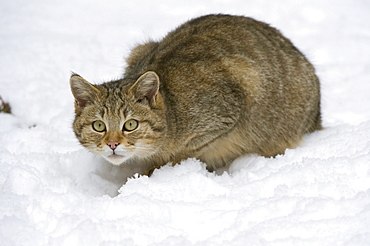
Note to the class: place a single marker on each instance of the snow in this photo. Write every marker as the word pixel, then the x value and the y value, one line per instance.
pixel 54 192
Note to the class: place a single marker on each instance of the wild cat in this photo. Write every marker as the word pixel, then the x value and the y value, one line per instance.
pixel 216 88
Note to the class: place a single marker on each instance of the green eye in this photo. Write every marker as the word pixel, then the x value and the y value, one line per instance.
pixel 98 126
pixel 130 125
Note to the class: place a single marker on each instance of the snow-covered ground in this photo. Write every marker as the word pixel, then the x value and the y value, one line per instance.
pixel 53 192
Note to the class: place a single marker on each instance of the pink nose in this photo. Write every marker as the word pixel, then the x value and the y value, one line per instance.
pixel 113 144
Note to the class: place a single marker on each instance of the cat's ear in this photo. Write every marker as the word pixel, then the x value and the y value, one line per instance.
pixel 82 90
pixel 146 87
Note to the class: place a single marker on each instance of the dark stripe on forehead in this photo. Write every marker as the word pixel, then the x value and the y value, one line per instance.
pixel 118 85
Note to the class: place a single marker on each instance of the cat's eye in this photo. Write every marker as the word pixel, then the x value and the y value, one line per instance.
pixel 98 126
pixel 130 125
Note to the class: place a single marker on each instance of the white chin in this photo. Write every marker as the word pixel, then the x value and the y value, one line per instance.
pixel 116 159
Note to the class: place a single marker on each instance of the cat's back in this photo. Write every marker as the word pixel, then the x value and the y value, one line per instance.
pixel 210 37
pixel 217 46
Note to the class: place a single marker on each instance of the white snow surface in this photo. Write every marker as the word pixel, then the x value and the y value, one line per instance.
pixel 54 192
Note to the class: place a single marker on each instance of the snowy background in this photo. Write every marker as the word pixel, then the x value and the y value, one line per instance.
pixel 53 192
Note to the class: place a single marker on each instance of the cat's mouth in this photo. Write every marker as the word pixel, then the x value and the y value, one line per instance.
pixel 116 156
pixel 116 159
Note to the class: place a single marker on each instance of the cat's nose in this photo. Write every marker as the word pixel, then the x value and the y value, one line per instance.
pixel 113 144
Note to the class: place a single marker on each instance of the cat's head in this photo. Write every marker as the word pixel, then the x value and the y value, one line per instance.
pixel 119 120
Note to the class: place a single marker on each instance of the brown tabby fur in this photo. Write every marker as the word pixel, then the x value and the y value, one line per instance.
pixel 215 88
